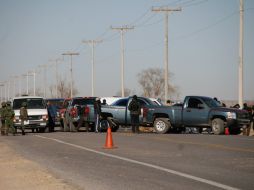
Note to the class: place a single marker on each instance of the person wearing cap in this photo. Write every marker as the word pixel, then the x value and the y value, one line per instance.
pixel 9 116
pixel 135 111
pixel 23 116
pixel 2 116
pixel 97 113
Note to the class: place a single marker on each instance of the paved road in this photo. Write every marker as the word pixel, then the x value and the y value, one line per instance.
pixel 142 161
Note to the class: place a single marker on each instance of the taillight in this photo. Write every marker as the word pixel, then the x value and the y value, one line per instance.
pixel 145 112
pixel 86 111
pixel 73 112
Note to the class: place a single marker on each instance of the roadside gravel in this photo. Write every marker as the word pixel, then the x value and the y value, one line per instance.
pixel 19 173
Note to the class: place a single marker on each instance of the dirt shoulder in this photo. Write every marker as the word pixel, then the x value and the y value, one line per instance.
pixel 19 173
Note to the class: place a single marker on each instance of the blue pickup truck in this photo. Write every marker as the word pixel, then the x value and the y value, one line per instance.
pixel 196 111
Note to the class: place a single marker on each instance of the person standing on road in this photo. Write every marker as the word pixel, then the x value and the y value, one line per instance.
pixel 97 113
pixel 9 119
pixel 2 116
pixel 135 111
pixel 23 116
pixel 246 129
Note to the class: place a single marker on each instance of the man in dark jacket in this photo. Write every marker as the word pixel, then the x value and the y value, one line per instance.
pixel 135 111
pixel 97 113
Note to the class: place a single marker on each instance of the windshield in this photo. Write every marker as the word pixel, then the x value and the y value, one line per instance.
pixel 211 102
pixel 32 103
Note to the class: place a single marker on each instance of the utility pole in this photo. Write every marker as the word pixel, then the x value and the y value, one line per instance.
pixel 14 85
pixel 92 43
pixel 20 78
pixel 71 54
pixel 27 81
pixel 56 61
pixel 240 69
pixel 45 78
pixel 166 10
pixel 32 73
pixel 122 30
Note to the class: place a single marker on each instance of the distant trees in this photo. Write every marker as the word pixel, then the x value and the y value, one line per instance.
pixel 152 83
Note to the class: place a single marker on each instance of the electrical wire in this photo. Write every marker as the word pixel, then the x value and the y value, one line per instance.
pixel 208 26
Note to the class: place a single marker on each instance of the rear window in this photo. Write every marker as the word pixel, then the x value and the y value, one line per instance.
pixel 56 102
pixel 32 103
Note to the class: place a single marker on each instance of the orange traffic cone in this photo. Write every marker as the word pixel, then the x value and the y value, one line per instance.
pixel 227 131
pixel 109 140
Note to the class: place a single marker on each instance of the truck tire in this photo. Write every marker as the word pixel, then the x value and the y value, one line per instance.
pixel 218 126
pixel 104 124
pixel 161 125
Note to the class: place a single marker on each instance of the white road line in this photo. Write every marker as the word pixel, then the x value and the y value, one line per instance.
pixel 212 183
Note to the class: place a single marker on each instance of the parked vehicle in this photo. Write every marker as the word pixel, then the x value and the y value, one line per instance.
pixel 75 112
pixel 37 113
pixel 196 111
pixel 53 106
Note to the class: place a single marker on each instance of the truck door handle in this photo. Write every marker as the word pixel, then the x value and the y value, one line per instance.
pixel 188 110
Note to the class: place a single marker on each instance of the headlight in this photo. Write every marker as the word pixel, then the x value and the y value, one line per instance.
pixel 231 115
pixel 45 117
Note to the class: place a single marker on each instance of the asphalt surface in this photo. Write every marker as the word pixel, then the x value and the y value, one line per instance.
pixel 142 161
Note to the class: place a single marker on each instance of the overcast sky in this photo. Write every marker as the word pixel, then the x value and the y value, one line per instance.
pixel 203 43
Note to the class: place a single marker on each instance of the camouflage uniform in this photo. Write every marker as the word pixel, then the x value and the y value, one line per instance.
pixel 9 116
pixel 23 116
pixel 2 116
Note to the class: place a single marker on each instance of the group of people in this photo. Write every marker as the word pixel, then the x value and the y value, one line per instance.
pixel 7 115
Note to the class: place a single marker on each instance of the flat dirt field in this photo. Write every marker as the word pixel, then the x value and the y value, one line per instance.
pixel 19 173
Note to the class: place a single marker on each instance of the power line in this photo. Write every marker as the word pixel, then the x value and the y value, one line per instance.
pixel 208 26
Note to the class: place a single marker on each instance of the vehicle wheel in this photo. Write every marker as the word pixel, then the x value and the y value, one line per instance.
pixel 161 125
pixel 115 128
pixel 218 126
pixel 104 124
pixel 235 131
pixel 46 129
pixel 66 127
pixel 113 124
pixel 200 130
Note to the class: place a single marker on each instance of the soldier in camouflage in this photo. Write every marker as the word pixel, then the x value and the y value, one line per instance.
pixel 2 116
pixel 9 116
pixel 23 116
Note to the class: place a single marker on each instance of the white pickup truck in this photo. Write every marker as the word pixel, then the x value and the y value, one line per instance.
pixel 37 113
